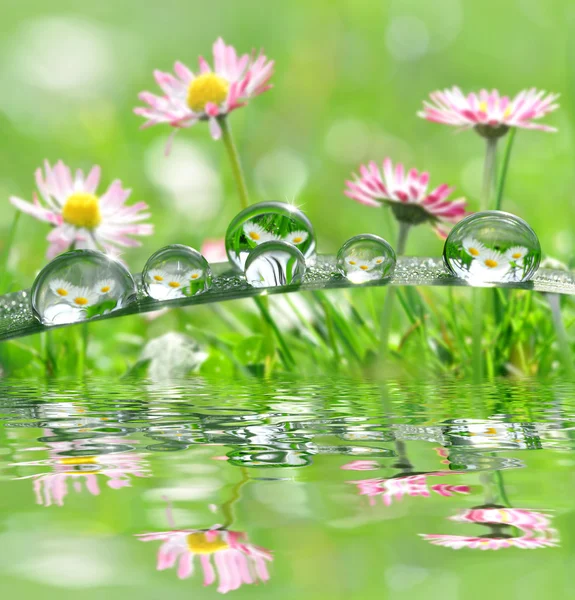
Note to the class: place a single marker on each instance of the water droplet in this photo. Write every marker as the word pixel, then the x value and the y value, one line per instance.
pixel 492 247
pixel 176 271
pixel 274 263
pixel 366 257
pixel 265 222
pixel 79 285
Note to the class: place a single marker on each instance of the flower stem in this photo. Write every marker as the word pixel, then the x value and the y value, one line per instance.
pixel 488 171
pixel 387 311
pixel 477 334
pixel 504 169
pixel 235 162
pixel 562 339
pixel 227 507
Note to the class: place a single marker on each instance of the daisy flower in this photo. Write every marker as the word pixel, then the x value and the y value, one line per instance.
pixel 473 247
pixel 406 194
pixel 62 288
pixel 83 297
pixel 296 237
pixel 195 274
pixel 236 561
pixel 208 94
pixel 490 264
pixel 489 113
pixel 105 287
pixel 80 218
pixel 165 285
pixel 257 234
pixel 516 254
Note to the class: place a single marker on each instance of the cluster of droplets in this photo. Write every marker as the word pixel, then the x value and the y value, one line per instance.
pixel 273 244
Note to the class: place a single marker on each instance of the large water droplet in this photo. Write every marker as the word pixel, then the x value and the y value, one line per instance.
pixel 274 263
pixel 265 222
pixel 79 285
pixel 366 257
pixel 176 271
pixel 492 247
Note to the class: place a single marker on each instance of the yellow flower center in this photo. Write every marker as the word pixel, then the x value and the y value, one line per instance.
pixel 208 87
pixel 195 276
pixel 82 210
pixel 81 301
pixel 352 263
pixel 198 543
pixel 489 262
pixel 174 284
pixel 78 460
pixel 297 240
pixel 474 251
pixel 364 267
pixel 254 235
pixel 483 106
pixel 62 292
pixel 378 261
pixel 105 289
pixel 158 278
pixel 516 255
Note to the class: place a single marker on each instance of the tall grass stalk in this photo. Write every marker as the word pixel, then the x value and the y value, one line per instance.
pixel 387 312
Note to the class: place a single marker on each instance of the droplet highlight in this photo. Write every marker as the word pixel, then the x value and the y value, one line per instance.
pixel 176 271
pixel 268 222
pixel 366 257
pixel 492 247
pixel 274 264
pixel 79 285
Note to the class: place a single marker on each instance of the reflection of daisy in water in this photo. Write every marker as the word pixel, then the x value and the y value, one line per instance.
pixel 236 560
pixel 473 247
pixel 195 274
pixel 257 234
pixel 118 468
pixel 535 528
pixel 296 237
pixel 359 264
pixel 516 254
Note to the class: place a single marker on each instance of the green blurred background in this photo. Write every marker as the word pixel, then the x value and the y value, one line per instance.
pixel 350 76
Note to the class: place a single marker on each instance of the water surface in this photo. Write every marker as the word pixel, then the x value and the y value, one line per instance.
pixel 285 489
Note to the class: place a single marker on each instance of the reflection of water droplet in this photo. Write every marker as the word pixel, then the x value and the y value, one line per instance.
pixel 492 247
pixel 366 257
pixel 274 263
pixel 176 271
pixel 265 222
pixel 79 285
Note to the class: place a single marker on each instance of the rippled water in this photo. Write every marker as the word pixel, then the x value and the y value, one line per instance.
pixel 282 489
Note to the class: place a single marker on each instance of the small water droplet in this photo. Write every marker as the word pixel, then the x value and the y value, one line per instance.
pixel 366 257
pixel 265 222
pixel 274 263
pixel 492 247
pixel 79 285
pixel 176 271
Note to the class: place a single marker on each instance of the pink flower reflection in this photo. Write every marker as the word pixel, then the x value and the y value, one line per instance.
pixel 361 465
pixel 517 517
pixel 236 561
pixel 83 471
pixel 457 542
pixel 407 485
pixel 535 528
